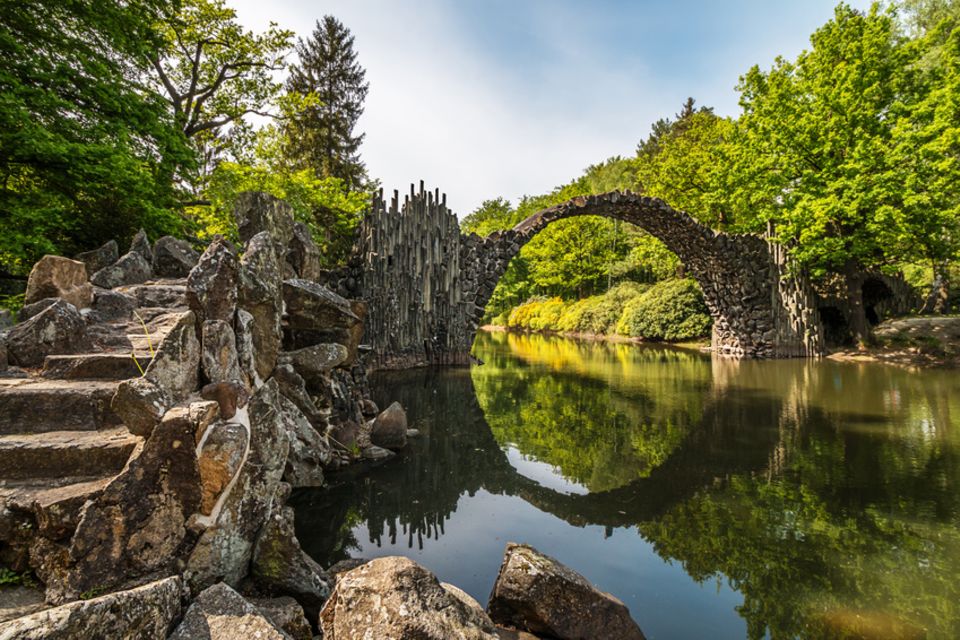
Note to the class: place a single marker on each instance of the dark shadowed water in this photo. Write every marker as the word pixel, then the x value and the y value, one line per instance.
pixel 716 499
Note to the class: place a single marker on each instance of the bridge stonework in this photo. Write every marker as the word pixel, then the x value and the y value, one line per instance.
pixel 427 285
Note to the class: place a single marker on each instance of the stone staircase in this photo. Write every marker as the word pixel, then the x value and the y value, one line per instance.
pixel 60 442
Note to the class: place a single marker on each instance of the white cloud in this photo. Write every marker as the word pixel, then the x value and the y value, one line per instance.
pixel 442 109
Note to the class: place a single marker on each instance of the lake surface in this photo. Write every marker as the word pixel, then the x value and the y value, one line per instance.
pixel 716 498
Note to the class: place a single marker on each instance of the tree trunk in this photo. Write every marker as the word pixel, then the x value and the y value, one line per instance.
pixel 938 301
pixel 856 314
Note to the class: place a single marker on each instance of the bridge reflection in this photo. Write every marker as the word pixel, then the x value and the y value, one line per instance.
pixel 815 489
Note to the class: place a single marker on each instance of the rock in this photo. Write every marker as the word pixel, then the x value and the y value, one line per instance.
pixel 176 362
pixel 173 258
pixel 131 268
pixel 303 254
pixel 535 593
pixel 219 354
pixel 511 634
pixel 141 245
pixel 256 212
pixel 261 297
pixel 229 395
pixel 374 453
pixel 281 567
pixel 6 319
pixel 286 614
pixel 27 311
pixel 58 329
pixel 246 356
pixel 59 277
pixel 313 306
pixel 220 613
pixel 226 547
pixel 140 404
pixel 112 305
pixel 413 433
pixel 337 569
pixel 316 359
pixel 369 408
pixel 294 388
pixel 212 283
pixel 99 258
pixel 390 428
pixel 4 361
pixel 395 597
pixel 203 414
pixel 309 452
pixel 138 525
pixel 148 611
pixel 346 434
pixel 221 453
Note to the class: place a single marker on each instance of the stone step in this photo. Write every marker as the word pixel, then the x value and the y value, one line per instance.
pixel 159 293
pixel 65 453
pixel 32 405
pixel 54 503
pixel 95 366
pixel 124 337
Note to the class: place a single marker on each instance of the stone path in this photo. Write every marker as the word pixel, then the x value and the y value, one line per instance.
pixel 60 442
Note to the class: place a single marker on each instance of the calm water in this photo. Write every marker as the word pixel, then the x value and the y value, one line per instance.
pixel 716 499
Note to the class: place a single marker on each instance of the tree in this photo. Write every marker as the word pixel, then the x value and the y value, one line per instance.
pixel 322 138
pixel 82 141
pixel 326 205
pixel 814 148
pixel 214 72
pixel 491 215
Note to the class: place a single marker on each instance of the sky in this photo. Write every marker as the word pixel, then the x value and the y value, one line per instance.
pixel 488 98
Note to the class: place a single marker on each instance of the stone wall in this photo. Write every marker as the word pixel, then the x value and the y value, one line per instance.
pixel 427 285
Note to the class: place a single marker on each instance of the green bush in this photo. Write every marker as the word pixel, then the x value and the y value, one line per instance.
pixel 670 310
pixel 577 315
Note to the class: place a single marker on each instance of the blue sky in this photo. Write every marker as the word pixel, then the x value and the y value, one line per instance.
pixel 486 98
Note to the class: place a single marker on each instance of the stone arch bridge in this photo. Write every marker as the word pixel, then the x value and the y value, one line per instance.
pixel 426 284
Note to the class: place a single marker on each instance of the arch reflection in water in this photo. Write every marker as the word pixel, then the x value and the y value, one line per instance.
pixel 719 498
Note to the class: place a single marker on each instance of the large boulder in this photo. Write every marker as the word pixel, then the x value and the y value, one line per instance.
pixel 219 355
pixel 99 258
pixel 281 567
pixel 315 359
pixel 390 428
pixel 112 305
pixel 309 452
pixel 222 448
pixel 220 613
pixel 225 548
pixel 311 305
pixel 27 311
pixel 536 593
pixel 287 614
pixel 394 597
pixel 141 405
pixel 173 258
pixel 131 268
pixel 148 611
pixel 58 329
pixel 294 388
pixel 304 255
pixel 141 245
pixel 256 212
pixel 262 298
pixel 138 525
pixel 212 283
pixel 176 363
pixel 59 277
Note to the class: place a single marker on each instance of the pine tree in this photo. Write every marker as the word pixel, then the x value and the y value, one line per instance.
pixel 322 137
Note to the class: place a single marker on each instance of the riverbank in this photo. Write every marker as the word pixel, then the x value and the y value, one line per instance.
pixel 919 342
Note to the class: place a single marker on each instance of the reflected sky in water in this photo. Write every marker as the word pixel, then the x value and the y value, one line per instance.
pixel 716 499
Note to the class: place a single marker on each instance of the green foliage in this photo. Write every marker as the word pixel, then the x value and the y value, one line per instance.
pixel 321 137
pixel 671 310
pixel 8 577
pixel 491 215
pixel 84 148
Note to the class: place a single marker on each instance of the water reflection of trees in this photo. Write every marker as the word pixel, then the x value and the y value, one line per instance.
pixel 816 489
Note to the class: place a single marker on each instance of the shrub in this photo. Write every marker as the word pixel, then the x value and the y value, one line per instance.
pixel 576 315
pixel 546 315
pixel 670 310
